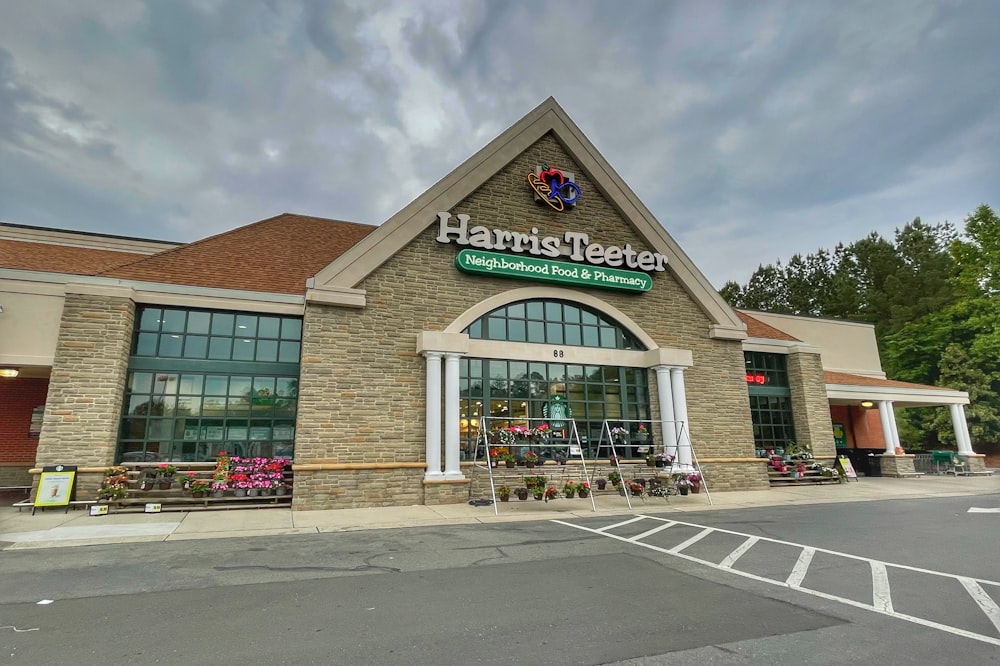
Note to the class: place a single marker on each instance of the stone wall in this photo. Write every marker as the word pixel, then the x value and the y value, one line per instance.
pixel 355 488
pixel 83 407
pixel 362 394
pixel 810 407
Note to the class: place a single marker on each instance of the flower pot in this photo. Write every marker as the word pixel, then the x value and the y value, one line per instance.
pixel 165 485
pixel 218 493
pixel 281 490
pixel 583 492
pixel 266 492
pixel 509 463
pixel 658 463
pixel 240 492
pixel 570 494
pixel 529 464
pixel 504 498
pixel 683 490
pixel 601 485
pixel 253 492
pixel 650 463
pixel 539 496
pixel 522 494
pixel 695 488
pixel 197 494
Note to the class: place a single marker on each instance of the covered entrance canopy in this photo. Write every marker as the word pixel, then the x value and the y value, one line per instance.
pixel 866 391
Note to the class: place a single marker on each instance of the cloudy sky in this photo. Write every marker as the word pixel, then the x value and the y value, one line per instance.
pixel 752 130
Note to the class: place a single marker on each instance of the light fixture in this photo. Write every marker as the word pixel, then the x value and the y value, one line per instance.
pixel 867 404
pixel 9 373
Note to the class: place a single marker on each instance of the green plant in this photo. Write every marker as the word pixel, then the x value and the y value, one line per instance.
pixel 570 488
pixel 551 493
pixel 166 470
pixel 199 486
pixel 503 492
pixel 115 484
pixel 615 478
pixel 530 456
pixel 533 482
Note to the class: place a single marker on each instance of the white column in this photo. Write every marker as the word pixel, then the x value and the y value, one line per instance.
pixel 885 416
pixel 433 415
pixel 895 430
pixel 961 428
pixel 681 418
pixel 452 425
pixel 666 401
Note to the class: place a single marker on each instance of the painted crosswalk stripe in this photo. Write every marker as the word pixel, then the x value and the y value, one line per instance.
pixel 984 600
pixel 881 597
pixel 695 539
pixel 731 558
pixel 976 509
pixel 624 522
pixel 801 567
pixel 647 533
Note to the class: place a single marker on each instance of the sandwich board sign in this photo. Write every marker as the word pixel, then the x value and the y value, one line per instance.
pixel 55 486
pixel 846 467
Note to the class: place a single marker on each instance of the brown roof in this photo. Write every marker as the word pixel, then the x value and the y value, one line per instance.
pixel 758 329
pixel 61 258
pixel 844 378
pixel 277 255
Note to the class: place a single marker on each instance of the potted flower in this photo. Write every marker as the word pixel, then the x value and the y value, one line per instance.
pixel 188 480
pixel 683 486
pixel 635 488
pixel 664 459
pixel 551 493
pixel 530 458
pixel 114 486
pixel 694 478
pixel 619 435
pixel 522 493
pixel 651 460
pixel 542 432
pixel 601 482
pixel 615 478
pixel 240 483
pixel 569 489
pixel 198 487
pixel 503 492
pixel 583 489
pixel 165 475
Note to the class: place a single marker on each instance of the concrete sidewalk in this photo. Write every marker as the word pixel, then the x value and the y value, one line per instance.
pixel 53 528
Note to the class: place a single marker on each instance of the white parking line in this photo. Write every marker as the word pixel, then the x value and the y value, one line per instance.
pixel 881 596
pixel 976 509
pixel 640 537
pixel 984 600
pixel 881 601
pixel 624 522
pixel 738 553
pixel 696 538
pixel 801 568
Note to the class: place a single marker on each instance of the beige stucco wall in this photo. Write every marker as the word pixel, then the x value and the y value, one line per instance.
pixel 29 325
pixel 845 346
pixel 362 390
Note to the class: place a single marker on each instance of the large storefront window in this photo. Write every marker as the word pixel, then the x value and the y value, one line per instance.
pixel 510 392
pixel 770 400
pixel 201 382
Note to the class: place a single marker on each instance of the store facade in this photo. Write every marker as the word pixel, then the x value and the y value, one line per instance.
pixel 529 280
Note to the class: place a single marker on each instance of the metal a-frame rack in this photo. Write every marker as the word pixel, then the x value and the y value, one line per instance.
pixel 682 438
pixel 575 449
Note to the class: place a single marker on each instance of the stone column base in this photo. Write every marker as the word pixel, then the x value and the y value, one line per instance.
pixel 448 491
pixel 898 466
pixel 975 462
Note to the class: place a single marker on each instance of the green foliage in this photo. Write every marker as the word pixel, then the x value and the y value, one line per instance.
pixel 934 298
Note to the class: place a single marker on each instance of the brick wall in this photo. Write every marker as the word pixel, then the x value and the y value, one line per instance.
pixel 863 426
pixel 362 383
pixel 18 397
pixel 87 381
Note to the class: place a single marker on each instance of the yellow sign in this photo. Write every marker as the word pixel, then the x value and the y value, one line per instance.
pixel 846 466
pixel 54 488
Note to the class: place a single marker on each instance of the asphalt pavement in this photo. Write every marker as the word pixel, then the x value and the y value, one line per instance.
pixel 19 529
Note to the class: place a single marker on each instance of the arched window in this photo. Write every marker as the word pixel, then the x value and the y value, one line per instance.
pixel 553 322
pixel 514 391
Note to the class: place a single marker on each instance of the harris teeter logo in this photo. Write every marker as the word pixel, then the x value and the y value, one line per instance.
pixel 495 264
pixel 552 187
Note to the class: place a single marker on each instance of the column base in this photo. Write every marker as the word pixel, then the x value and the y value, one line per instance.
pixel 453 476
pixel 434 476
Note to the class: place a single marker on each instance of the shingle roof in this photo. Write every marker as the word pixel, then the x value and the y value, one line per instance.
pixel 61 258
pixel 758 329
pixel 847 379
pixel 276 255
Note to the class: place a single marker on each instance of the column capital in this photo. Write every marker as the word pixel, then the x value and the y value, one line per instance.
pixel 432 354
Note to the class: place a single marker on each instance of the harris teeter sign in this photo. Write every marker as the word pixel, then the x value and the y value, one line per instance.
pixel 543 270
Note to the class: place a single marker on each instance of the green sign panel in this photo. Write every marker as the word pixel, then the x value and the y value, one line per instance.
pixel 544 270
